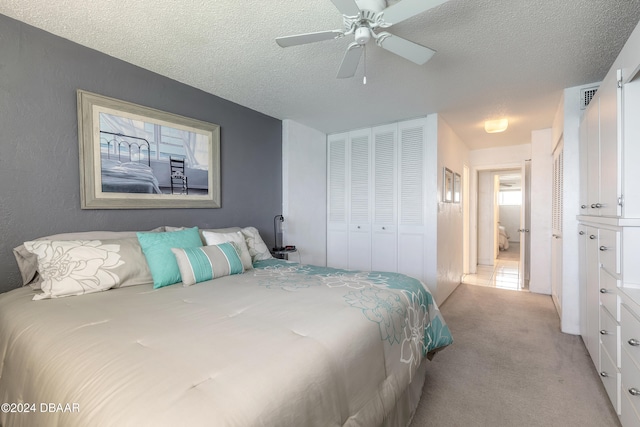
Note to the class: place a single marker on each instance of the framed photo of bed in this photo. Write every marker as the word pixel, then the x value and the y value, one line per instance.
pixel 136 157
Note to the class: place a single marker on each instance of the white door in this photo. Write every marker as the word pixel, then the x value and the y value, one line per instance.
pixel 337 237
pixel 384 234
pixel 556 226
pixel 359 250
pixel 525 224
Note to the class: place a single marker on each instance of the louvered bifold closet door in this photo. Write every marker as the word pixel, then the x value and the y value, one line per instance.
pixel 337 219
pixel 359 247
pixel 384 234
pixel 411 198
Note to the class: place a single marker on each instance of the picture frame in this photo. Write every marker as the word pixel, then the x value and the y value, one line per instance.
pixel 136 157
pixel 457 188
pixel 447 185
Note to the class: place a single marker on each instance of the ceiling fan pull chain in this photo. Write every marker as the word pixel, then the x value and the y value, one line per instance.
pixel 364 79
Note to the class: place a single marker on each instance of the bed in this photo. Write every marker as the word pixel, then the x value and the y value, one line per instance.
pixel 279 344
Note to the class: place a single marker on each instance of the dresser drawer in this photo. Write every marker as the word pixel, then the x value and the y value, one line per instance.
pixel 609 294
pixel 630 334
pixel 609 246
pixel 629 417
pixel 610 376
pixel 610 335
pixel 630 381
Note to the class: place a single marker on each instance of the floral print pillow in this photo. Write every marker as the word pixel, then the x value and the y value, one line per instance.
pixel 76 267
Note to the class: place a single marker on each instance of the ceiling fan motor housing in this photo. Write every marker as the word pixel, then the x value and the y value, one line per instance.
pixel 362 34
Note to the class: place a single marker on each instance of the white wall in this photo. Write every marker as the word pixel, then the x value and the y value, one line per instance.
pixel 304 194
pixel 453 154
pixel 540 234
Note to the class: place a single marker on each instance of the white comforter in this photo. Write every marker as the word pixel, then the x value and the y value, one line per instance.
pixel 282 345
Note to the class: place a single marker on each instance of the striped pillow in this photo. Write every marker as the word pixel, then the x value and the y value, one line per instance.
pixel 198 264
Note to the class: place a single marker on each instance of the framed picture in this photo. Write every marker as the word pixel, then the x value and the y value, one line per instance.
pixel 135 157
pixel 447 190
pixel 457 188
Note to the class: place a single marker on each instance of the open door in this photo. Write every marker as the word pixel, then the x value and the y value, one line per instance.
pixel 525 225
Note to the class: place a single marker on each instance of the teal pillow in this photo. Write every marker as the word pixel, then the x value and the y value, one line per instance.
pixel 208 262
pixel 157 250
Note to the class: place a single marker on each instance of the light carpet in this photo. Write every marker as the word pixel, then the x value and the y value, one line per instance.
pixel 510 365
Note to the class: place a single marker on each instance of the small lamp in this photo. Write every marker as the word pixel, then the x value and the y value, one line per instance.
pixel 277 232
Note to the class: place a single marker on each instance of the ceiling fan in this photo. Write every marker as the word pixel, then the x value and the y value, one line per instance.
pixel 363 18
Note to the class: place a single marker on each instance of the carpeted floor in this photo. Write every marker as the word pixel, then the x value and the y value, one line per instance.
pixel 510 365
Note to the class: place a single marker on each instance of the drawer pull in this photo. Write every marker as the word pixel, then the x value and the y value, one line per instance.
pixel 603 248
pixel 583 206
pixel 634 391
pixel 634 342
pixel 581 233
pixel 603 374
pixel 603 332
pixel 592 236
pixel 603 291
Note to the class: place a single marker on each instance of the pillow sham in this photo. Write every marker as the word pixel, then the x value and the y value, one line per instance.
pixel 157 250
pixel 257 248
pixel 28 262
pixel 76 267
pixel 214 238
pixel 202 263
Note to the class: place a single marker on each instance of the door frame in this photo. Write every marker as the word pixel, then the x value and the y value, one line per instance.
pixel 472 230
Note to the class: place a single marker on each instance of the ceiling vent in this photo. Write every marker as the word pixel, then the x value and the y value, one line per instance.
pixel 586 95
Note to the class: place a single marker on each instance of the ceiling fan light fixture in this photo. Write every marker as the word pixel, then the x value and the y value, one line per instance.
pixel 496 126
pixel 363 34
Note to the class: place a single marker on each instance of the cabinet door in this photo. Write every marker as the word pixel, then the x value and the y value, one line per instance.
pixel 359 250
pixel 582 278
pixel 412 249
pixel 584 160
pixel 610 140
pixel 593 156
pixel 592 297
pixel 337 237
pixel 384 237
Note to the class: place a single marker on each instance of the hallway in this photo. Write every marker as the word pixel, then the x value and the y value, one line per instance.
pixel 503 274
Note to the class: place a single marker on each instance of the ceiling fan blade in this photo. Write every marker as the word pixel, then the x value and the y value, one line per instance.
pixel 347 7
pixel 299 39
pixel 405 9
pixel 407 49
pixel 350 61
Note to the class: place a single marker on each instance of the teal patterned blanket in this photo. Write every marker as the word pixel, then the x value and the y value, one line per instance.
pixel 402 306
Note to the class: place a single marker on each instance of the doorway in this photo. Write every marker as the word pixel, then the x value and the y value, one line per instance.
pixel 498 231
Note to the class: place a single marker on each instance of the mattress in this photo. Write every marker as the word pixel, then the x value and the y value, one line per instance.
pixel 283 344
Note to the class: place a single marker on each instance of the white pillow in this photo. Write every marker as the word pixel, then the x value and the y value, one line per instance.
pixel 213 238
pixel 76 267
pixel 257 248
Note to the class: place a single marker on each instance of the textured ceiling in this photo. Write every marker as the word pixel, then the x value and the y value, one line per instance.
pixel 494 57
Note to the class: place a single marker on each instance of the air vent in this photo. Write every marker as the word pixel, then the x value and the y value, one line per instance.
pixel 586 95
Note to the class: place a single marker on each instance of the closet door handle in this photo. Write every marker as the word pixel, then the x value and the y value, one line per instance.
pixel 634 391
pixel 603 248
pixel 603 332
pixel 592 236
pixel 603 374
pixel 634 342
pixel 603 291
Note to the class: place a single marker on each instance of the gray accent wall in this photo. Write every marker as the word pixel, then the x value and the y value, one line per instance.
pixel 39 165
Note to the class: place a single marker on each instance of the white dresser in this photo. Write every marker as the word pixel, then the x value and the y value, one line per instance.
pixel 610 231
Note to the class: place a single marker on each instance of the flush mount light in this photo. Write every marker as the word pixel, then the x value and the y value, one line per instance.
pixel 496 126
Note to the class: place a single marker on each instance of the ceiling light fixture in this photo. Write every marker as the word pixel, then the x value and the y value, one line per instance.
pixel 496 126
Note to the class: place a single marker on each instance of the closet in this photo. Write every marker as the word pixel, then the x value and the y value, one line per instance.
pixel 609 231
pixel 376 194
